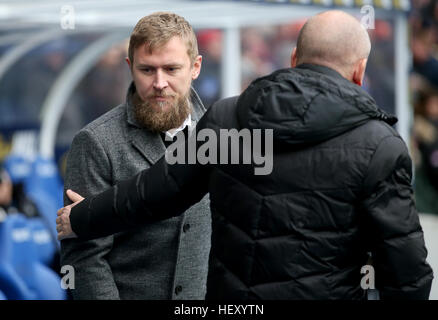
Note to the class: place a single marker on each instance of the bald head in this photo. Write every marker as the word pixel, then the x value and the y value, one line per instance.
pixel 334 39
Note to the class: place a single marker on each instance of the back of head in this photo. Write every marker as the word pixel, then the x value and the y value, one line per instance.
pixel 334 39
pixel 158 28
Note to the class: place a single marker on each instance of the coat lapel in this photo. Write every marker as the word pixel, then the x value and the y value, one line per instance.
pixel 149 144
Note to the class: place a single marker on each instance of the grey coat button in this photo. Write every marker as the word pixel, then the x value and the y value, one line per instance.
pixel 186 227
pixel 178 289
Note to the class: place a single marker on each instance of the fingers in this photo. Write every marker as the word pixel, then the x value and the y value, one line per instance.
pixel 66 235
pixel 64 210
pixel 73 196
pixel 60 222
pixel 62 236
pixel 60 212
pixel 60 230
pixel 63 226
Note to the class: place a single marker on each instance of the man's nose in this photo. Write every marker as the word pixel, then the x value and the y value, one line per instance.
pixel 160 81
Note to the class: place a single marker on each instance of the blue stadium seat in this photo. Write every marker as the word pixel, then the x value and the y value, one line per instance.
pixel 22 275
pixel 43 241
pixel 44 186
pixel 17 167
pixel 14 243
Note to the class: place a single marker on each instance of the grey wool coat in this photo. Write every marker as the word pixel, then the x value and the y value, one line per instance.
pixel 162 260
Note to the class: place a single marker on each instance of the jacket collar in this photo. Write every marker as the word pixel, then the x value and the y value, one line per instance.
pixel 306 105
pixel 321 69
pixel 379 113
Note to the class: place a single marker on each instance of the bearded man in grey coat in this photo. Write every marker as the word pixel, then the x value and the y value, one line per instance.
pixel 166 259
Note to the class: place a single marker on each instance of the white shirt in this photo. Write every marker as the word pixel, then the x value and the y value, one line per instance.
pixel 187 123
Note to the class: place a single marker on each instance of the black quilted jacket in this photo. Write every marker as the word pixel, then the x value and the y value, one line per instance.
pixel 340 187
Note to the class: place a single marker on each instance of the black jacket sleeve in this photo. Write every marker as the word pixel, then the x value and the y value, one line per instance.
pixel 160 192
pixel 392 224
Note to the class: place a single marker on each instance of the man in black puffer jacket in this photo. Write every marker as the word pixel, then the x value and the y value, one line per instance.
pixel 340 185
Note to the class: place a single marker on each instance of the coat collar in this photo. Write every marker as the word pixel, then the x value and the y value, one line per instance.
pixel 321 69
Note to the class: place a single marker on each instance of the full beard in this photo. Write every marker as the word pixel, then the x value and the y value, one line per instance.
pixel 161 116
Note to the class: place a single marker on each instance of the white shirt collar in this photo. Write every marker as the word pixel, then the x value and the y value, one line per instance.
pixel 187 123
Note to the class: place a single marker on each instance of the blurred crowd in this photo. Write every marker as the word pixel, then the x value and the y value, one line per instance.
pixel 267 48
pixel 424 94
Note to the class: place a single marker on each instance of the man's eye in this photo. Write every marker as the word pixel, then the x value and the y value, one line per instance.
pixel 146 70
pixel 172 69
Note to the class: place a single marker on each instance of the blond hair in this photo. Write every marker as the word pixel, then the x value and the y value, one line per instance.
pixel 158 28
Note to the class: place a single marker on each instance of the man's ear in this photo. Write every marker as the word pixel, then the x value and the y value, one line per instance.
pixel 196 69
pixel 359 71
pixel 128 62
pixel 293 58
